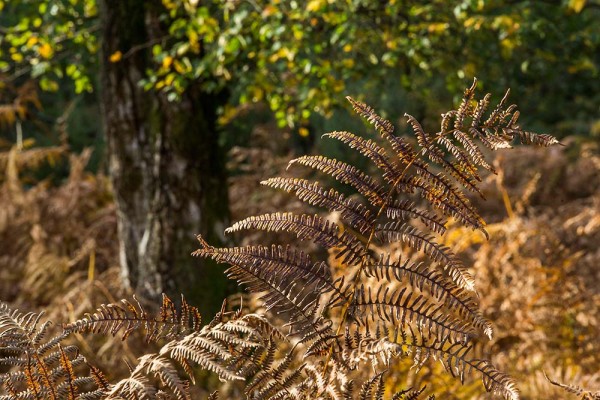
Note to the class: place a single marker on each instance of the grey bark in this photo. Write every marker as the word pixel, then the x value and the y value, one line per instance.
pixel 165 165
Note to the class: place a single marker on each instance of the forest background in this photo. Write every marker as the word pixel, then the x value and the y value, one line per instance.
pixel 120 121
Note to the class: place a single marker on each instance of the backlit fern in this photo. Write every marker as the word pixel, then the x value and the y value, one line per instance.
pixel 374 300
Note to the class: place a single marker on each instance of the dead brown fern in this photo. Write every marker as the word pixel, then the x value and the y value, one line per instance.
pixel 45 369
pixel 377 301
pixel 583 394
pixel 17 107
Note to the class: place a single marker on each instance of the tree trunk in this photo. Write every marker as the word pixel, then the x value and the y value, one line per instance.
pixel 166 168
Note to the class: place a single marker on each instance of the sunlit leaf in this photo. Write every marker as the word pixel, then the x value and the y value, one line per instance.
pixel 577 5
pixel 315 5
pixel 116 56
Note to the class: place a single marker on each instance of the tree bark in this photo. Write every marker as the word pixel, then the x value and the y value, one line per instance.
pixel 166 167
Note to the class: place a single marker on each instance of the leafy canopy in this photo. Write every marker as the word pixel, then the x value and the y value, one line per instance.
pixel 299 56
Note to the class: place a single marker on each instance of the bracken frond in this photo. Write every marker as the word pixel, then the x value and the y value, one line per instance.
pixel 455 357
pixel 356 215
pixel 41 368
pixel 306 227
pixel 576 390
pixel 419 241
pixel 434 283
pixel 287 293
pixel 127 317
pixel 401 307
pixel 428 309
pixel 344 173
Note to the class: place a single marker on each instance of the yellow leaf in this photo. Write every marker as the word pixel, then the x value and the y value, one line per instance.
pixel 303 132
pixel 116 56
pixel 437 27
pixel 179 67
pixel 18 57
pixel 257 94
pixel 169 5
pixel 298 34
pixel 45 50
pixel 577 5
pixel 268 11
pixel 170 78
pixel 347 48
pixel 474 22
pixel 315 5
pixel 193 37
pixel 167 61
pixel 31 41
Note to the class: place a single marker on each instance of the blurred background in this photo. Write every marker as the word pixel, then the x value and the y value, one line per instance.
pixel 129 126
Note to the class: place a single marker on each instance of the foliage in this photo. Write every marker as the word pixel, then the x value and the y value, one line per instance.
pixel 49 40
pixel 547 51
pixel 298 57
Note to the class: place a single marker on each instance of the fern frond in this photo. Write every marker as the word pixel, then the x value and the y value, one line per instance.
pixel 492 140
pixel 227 348
pixel 455 359
pixel 401 307
pixel 66 365
pixel 464 166
pixel 415 308
pixel 439 199
pixel 373 389
pixel 344 173
pixel 576 390
pixel 419 241
pixel 42 368
pixel 128 317
pixel 405 209
pixel 306 227
pixel 166 372
pixel 275 381
pixel 465 107
pixel 462 171
pixel 423 139
pixel 480 109
pixel 384 126
pixel 371 150
pixel 213 396
pixel 357 215
pixel 442 184
pixel 286 262
pixel 471 150
pixel 430 281
pixel 137 386
pixel 537 139
pixel 410 394
pixel 282 293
